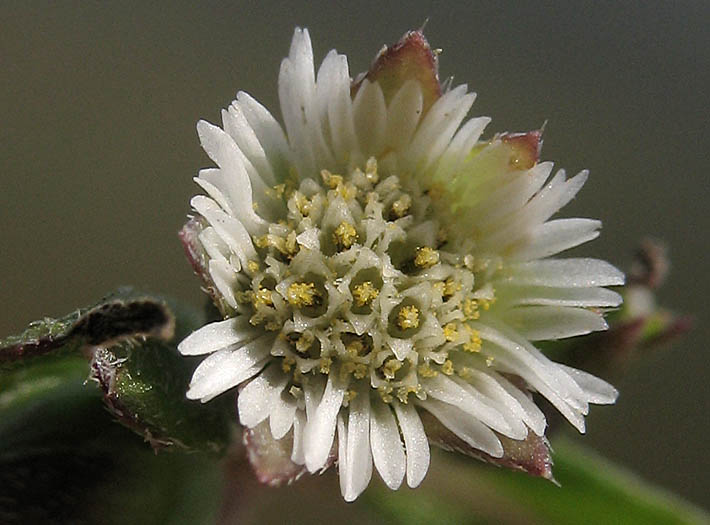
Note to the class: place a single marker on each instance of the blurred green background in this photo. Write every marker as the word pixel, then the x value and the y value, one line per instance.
pixel 98 104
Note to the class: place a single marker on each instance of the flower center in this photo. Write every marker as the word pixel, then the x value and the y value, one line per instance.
pixel 359 280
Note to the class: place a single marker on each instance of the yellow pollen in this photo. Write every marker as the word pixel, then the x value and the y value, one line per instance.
pixel 253 266
pixel 302 294
pixel 365 293
pixel 345 235
pixel 302 203
pixel 287 363
pixel 451 287
pixel 390 368
pixel 489 360
pixel 404 391
pixel 448 367
pixel 450 331
pixel 304 342
pixel 332 181
pixel 425 370
pixel 355 348
pixel 400 207
pixel 349 396
pixel 385 393
pixel 426 257
pixel 474 340
pixel 371 170
pixel 464 372
pixel 325 363
pixel 262 297
pixel 470 309
pixel 358 370
pixel 280 189
pixel 408 317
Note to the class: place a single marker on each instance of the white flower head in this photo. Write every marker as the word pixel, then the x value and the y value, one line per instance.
pixel 378 265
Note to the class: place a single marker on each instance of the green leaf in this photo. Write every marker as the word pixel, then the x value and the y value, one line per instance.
pixel 130 339
pixel 591 490
pixel 124 314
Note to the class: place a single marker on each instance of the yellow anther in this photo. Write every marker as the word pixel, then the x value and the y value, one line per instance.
pixel 470 309
pixel 371 170
pixel 262 242
pixel 355 347
pixel 301 294
pixel 302 203
pixel 404 391
pixel 325 363
pixel 451 287
pixel 345 235
pixel 408 317
pixel 464 372
pixel 450 331
pixel 279 190
pixel 291 246
pixel 365 293
pixel 332 181
pixel 287 364
pixel 448 367
pixel 474 340
pixel 360 371
pixel 385 393
pixel 425 370
pixel 349 396
pixel 400 207
pixel 426 257
pixel 390 368
pixel 253 266
pixel 304 342
pixel 295 391
pixel 347 191
pixel 262 298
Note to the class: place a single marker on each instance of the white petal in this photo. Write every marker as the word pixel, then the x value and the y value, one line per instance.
pixel 439 125
pixel 238 184
pixel 460 147
pixel 387 450
pixel 268 131
pixel 358 470
pixel 342 455
pixel 320 428
pixel 533 416
pixel 573 273
pixel 227 368
pixel 471 402
pixel 219 335
pixel 415 443
pixel 548 296
pixel 282 414
pixel 497 397
pixel 403 114
pixel 340 108
pixel 229 229
pixel 369 114
pixel 299 424
pixel 466 427
pixel 236 125
pixel 224 276
pixel 539 323
pixel 557 236
pixel 258 396
pixel 598 391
